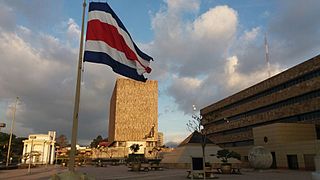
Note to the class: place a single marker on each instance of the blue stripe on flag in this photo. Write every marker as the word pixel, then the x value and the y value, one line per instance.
pixel 103 58
pixel 100 6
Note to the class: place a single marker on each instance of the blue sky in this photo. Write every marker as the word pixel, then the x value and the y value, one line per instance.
pixel 204 50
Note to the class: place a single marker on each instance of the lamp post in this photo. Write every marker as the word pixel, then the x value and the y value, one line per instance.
pixel 11 129
pixel 196 124
pixel 2 125
pixel 30 154
pixel 44 145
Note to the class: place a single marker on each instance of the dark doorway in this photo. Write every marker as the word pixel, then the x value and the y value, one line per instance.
pixel 274 161
pixel 309 162
pixel 292 161
pixel 197 164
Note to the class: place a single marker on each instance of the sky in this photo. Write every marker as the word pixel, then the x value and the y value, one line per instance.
pixel 203 50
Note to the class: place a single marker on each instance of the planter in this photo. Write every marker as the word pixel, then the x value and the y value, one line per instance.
pixel 226 168
pixel 136 166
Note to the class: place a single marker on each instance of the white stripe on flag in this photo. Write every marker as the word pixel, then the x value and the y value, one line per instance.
pixel 100 46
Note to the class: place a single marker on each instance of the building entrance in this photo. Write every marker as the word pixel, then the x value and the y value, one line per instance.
pixel 292 161
pixel 274 160
pixel 309 162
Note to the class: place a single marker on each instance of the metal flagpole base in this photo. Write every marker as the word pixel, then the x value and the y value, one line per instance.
pixel 69 175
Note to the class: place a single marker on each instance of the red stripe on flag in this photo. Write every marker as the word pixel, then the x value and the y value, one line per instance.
pixel 99 31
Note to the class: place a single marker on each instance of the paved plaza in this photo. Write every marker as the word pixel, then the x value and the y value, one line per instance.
pixel 121 172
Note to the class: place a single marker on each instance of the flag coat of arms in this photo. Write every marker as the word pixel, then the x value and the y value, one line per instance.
pixel 108 42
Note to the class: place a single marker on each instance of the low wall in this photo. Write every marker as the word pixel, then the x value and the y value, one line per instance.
pixel 176 165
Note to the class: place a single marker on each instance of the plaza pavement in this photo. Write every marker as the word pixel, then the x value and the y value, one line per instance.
pixel 121 172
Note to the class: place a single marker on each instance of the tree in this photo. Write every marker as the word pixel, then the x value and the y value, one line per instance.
pixel 225 154
pixel 62 141
pixel 16 146
pixel 196 125
pixel 95 142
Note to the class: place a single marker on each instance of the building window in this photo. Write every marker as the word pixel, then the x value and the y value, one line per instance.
pixel 318 131
pixel 245 158
pixel 269 91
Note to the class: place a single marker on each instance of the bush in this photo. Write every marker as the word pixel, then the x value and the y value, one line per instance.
pixel 225 154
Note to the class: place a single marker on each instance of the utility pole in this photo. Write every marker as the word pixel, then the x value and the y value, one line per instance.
pixel 77 98
pixel 31 153
pixel 11 130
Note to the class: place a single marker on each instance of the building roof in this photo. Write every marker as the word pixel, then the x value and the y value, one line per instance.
pixel 104 143
pixel 194 138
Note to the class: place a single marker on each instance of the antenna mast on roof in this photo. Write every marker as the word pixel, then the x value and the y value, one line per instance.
pixel 267 54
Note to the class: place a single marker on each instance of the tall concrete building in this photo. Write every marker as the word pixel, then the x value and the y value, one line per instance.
pixel 248 118
pixel 134 114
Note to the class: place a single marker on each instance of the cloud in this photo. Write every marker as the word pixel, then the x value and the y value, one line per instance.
pixel 192 48
pixel 181 5
pixel 7 17
pixel 41 70
pixel 218 22
pixel 190 87
pixel 296 31
pixel 37 12
pixel 237 80
pixel 73 31
pixel 222 58
pixel 250 36
pixel 199 58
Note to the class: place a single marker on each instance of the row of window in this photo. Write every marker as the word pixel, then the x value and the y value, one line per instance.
pixel 287 102
pixel 237 144
pixel 306 117
pixel 292 82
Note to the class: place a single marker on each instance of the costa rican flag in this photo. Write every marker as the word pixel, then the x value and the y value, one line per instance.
pixel 108 42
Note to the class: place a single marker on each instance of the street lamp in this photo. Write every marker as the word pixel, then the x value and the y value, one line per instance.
pixel 2 125
pixel 44 145
pixel 12 127
pixel 31 153
pixel 196 124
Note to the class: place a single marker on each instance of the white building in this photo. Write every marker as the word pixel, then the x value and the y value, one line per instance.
pixel 42 148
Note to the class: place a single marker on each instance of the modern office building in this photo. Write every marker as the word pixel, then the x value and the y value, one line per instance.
pixel 292 96
pixel 134 115
pixel 39 148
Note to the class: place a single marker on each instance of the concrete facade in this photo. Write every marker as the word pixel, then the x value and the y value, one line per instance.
pixel 134 115
pixel 292 96
pixel 289 139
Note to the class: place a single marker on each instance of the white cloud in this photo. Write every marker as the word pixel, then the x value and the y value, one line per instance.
pixel 192 51
pixel 73 31
pixel 237 80
pixel 192 48
pixel 250 35
pixel 183 5
pixel 218 23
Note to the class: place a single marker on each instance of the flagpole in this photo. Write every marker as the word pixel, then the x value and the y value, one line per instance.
pixel 77 98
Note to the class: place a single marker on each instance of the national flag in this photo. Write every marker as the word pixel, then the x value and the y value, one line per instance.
pixel 108 42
